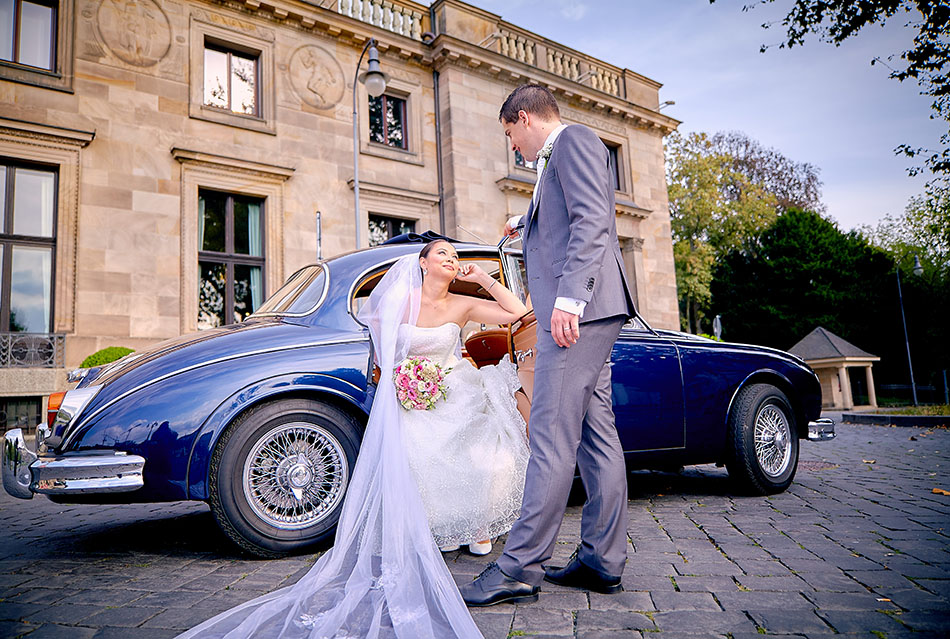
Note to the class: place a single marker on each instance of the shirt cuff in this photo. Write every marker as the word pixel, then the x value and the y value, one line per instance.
pixel 515 220
pixel 570 305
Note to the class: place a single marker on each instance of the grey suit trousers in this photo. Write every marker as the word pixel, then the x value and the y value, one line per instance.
pixel 572 421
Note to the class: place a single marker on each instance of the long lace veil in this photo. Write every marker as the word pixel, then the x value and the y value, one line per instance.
pixel 384 578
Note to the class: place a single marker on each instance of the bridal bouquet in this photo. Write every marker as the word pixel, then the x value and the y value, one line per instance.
pixel 420 383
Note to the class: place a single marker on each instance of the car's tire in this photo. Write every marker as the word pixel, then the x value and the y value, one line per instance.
pixel 762 440
pixel 279 473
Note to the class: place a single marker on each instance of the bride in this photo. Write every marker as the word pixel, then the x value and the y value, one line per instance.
pixel 458 468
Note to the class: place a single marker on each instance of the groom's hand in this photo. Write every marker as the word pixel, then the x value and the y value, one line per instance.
pixel 564 328
pixel 512 225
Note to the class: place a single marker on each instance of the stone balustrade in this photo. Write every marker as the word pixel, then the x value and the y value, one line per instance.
pixel 517 47
pixel 574 66
pixel 403 19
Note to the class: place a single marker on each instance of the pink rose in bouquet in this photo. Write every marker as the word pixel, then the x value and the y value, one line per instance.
pixel 420 383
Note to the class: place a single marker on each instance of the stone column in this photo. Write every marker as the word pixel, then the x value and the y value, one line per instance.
pixel 631 249
pixel 872 396
pixel 847 400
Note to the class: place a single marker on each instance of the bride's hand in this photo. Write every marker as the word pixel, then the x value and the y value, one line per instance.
pixel 470 272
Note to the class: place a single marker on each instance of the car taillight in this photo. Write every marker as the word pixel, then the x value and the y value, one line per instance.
pixel 52 407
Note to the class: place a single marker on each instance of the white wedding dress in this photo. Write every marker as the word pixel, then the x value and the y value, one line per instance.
pixel 385 578
pixel 468 454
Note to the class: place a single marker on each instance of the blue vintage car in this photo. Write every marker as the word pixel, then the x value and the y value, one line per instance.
pixel 263 419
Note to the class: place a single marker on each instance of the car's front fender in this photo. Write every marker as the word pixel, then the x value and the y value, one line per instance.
pixel 313 385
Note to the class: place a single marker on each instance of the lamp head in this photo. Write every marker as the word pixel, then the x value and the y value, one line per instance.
pixel 373 78
pixel 918 268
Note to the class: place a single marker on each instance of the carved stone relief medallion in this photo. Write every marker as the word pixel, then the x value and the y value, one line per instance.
pixel 135 31
pixel 316 77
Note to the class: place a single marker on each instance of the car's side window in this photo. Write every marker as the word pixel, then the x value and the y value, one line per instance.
pixel 490 266
pixel 635 324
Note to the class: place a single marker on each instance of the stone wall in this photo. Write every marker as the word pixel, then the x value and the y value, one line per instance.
pixel 133 143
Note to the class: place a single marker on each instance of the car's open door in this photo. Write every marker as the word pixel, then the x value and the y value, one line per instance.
pixel 522 334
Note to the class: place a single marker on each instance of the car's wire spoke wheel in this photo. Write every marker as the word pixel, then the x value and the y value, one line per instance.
pixel 295 475
pixel 279 473
pixel 772 440
pixel 762 440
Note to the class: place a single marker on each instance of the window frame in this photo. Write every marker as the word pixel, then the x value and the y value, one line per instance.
pixel 615 151
pixel 17 20
pixel 255 42
pixel 215 45
pixel 59 76
pixel 389 220
pixel 229 258
pixel 413 95
pixel 404 113
pixel 9 240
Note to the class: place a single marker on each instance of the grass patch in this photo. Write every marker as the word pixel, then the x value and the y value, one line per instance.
pixel 937 409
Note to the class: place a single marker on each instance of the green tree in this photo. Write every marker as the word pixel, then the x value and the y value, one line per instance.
pixel 805 273
pixel 714 208
pixel 923 229
pixel 834 21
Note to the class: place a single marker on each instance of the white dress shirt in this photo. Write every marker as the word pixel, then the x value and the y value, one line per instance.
pixel 567 304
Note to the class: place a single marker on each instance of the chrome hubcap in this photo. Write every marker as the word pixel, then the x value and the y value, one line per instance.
pixel 772 440
pixel 295 475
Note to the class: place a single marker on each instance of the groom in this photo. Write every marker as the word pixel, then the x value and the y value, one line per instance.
pixel 581 300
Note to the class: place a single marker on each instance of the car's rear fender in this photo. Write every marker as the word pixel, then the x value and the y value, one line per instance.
pixel 321 387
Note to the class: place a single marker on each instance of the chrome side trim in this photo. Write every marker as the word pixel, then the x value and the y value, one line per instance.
pixel 821 430
pixel 209 362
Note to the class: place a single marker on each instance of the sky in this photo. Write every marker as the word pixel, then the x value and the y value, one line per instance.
pixel 817 103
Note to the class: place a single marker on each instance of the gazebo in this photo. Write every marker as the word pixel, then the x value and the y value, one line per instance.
pixel 831 357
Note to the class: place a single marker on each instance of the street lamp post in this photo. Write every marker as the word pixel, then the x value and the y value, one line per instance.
pixel 917 270
pixel 375 82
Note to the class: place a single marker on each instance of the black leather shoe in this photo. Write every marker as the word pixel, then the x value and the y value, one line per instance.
pixel 493 587
pixel 577 574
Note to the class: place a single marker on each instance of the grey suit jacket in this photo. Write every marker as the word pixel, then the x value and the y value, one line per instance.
pixel 570 235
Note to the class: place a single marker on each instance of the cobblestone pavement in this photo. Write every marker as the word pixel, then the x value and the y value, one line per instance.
pixel 857 546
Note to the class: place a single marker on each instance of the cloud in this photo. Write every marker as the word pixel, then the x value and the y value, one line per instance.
pixel 573 9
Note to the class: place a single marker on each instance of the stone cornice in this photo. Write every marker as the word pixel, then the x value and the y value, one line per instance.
pixel 48 133
pixel 395 192
pixel 625 207
pixel 318 16
pixel 516 184
pixel 447 49
pixel 230 164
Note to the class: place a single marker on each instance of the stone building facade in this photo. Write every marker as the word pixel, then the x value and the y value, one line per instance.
pixel 125 123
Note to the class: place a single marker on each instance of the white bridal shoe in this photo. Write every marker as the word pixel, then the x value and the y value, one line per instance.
pixel 449 548
pixel 480 547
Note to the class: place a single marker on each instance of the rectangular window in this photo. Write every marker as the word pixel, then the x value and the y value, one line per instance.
pixel 27 248
pixel 231 80
pixel 614 151
pixel 382 228
pixel 520 161
pixel 230 257
pixel 28 33
pixel 20 412
pixel 387 121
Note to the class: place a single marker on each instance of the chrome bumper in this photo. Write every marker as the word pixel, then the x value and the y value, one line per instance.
pixel 821 430
pixel 26 473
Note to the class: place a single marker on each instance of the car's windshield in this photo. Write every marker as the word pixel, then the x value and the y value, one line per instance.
pixel 299 295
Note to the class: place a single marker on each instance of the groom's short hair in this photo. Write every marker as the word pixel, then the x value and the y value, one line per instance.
pixel 530 98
